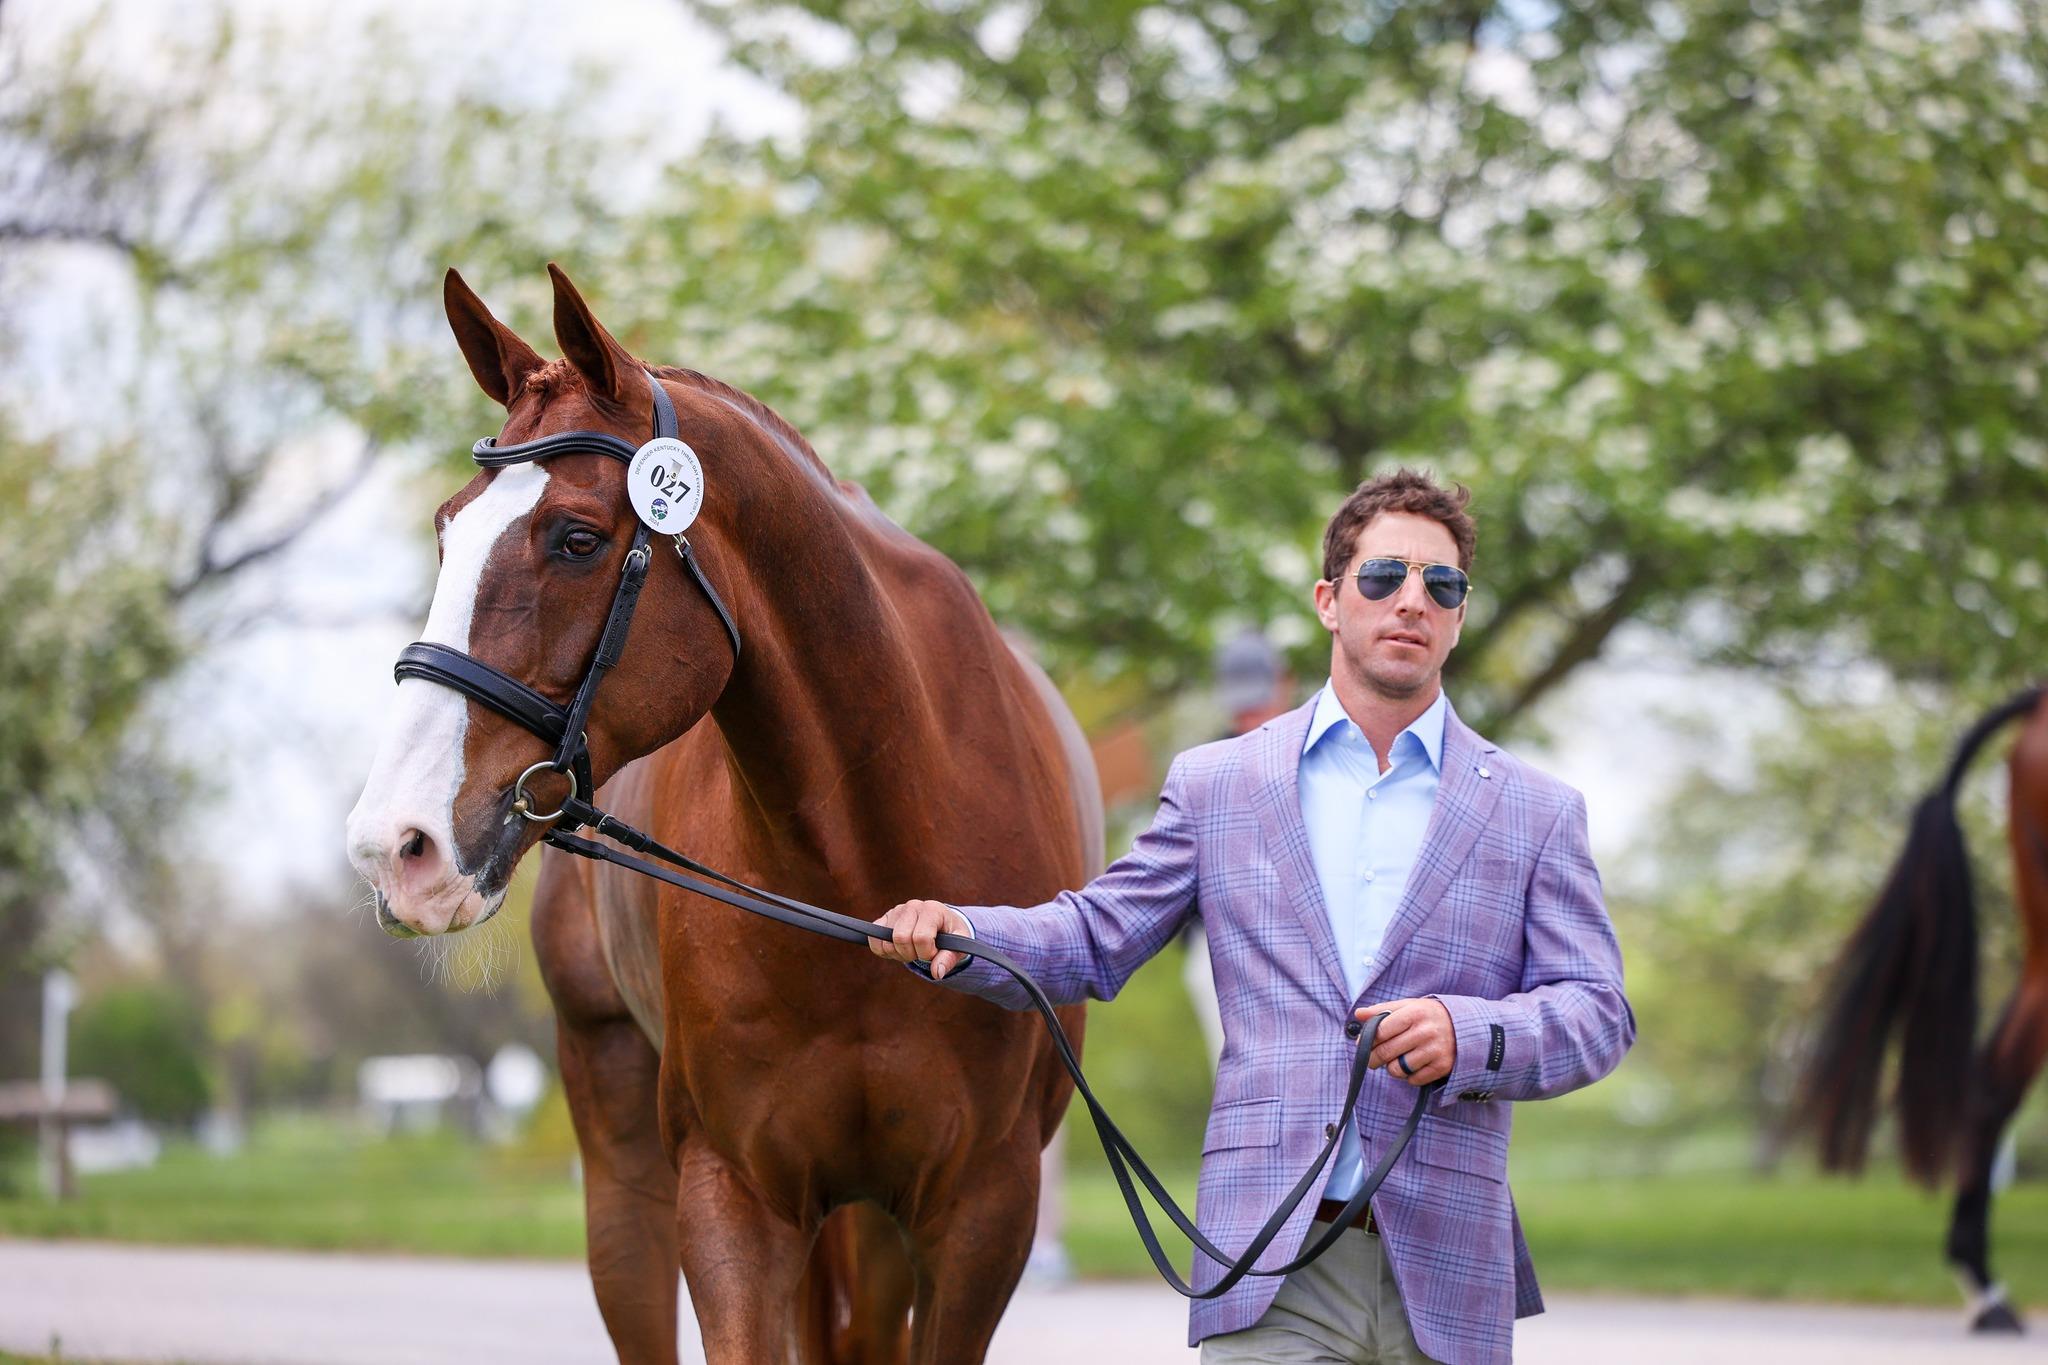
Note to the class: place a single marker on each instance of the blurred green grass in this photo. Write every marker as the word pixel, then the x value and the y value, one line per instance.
pixel 319 1184
pixel 1795 1237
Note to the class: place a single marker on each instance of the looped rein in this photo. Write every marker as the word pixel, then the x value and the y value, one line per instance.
pixel 1125 1163
pixel 562 726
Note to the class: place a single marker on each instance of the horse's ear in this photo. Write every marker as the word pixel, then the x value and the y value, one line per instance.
pixel 497 357
pixel 605 365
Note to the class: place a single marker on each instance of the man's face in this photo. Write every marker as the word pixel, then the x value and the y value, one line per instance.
pixel 1395 647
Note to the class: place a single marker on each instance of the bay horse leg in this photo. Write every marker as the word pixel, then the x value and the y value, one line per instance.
pixel 970 1258
pixel 610 1071
pixel 2013 1055
pixel 2010 1062
pixel 743 1261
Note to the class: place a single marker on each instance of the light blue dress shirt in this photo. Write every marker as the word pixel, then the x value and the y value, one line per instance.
pixel 1365 828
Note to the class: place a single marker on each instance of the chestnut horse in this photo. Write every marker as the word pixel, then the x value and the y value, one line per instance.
pixel 1912 966
pixel 844 1160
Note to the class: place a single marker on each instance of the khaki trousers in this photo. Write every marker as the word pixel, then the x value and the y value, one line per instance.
pixel 1343 1310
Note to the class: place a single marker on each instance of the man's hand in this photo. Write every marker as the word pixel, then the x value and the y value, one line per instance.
pixel 917 925
pixel 1418 1030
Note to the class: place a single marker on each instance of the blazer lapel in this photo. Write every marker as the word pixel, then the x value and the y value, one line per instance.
pixel 1465 793
pixel 1276 797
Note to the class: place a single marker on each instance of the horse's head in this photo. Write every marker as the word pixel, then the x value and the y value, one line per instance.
pixel 531 559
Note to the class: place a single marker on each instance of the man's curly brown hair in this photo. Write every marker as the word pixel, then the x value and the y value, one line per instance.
pixel 1403 490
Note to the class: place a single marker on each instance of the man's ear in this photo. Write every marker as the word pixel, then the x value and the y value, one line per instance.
pixel 497 357
pixel 606 366
pixel 1326 604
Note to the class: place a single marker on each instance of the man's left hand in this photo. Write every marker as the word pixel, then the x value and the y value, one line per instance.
pixel 1419 1030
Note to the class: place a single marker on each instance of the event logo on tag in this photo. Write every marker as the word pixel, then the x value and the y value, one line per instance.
pixel 666 484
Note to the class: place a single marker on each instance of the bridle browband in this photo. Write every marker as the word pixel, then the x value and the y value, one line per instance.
pixel 563 727
pixel 501 692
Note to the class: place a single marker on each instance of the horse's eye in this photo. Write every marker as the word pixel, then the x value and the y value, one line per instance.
pixel 581 544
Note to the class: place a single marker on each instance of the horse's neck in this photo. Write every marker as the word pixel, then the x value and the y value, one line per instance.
pixel 824 717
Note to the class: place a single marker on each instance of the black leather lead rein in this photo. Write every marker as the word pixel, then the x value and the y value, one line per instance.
pixel 1115 1145
pixel 563 727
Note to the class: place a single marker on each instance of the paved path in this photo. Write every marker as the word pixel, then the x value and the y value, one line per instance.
pixel 208 1307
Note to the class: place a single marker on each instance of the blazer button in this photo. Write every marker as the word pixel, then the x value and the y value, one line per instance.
pixel 1353 1029
pixel 1329 1130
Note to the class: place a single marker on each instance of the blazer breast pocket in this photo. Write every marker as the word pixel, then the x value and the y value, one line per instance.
pixel 1495 870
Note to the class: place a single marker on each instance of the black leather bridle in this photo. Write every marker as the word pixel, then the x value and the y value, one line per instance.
pixel 563 727
pixel 513 699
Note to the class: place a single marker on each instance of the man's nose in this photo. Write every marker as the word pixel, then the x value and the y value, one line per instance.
pixel 1412 598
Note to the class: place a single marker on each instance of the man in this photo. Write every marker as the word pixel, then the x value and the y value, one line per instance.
pixel 1365 853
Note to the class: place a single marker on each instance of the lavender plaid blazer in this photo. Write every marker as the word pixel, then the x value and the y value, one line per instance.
pixel 1502 920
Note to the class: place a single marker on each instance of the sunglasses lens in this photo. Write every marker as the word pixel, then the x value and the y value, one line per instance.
pixel 1379 579
pixel 1446 586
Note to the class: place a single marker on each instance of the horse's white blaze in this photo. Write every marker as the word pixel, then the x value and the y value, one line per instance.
pixel 419 770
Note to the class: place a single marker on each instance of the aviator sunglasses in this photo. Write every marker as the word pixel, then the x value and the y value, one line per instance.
pixel 1446 584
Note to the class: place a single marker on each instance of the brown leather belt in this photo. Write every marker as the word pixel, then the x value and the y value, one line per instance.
pixel 1330 1210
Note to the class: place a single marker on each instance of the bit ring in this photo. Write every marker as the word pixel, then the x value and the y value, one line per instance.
pixel 522 804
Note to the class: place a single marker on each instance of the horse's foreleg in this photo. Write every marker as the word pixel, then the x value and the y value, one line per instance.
pixel 629 1186
pixel 744 1263
pixel 969 1257
pixel 610 1074
pixel 2011 1060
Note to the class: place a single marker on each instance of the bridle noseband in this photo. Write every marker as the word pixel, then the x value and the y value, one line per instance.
pixel 562 726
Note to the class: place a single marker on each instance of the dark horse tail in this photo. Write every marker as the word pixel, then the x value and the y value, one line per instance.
pixel 1911 967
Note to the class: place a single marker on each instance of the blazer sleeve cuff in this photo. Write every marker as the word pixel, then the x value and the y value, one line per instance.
pixel 1490 1045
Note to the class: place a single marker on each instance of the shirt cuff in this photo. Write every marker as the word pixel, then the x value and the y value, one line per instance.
pixel 924 969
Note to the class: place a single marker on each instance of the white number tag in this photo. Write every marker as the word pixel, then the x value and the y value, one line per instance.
pixel 666 484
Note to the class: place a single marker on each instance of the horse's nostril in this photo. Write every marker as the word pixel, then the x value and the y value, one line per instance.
pixel 414 846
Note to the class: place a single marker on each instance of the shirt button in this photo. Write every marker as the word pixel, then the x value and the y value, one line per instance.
pixel 1368 874
pixel 1373 795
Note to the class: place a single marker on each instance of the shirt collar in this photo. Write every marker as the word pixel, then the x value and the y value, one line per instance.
pixel 1428 728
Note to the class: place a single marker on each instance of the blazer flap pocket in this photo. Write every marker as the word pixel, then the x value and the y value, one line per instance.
pixel 1462 1147
pixel 1243 1123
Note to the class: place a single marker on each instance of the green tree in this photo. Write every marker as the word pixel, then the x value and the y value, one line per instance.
pixel 1728 311
pixel 265 251
pixel 149 1042
pixel 88 634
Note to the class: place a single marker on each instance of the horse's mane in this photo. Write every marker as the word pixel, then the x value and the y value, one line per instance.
pixel 852 496
pixel 556 373
pixel 768 417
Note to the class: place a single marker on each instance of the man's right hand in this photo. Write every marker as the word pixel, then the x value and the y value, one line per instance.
pixel 918 925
